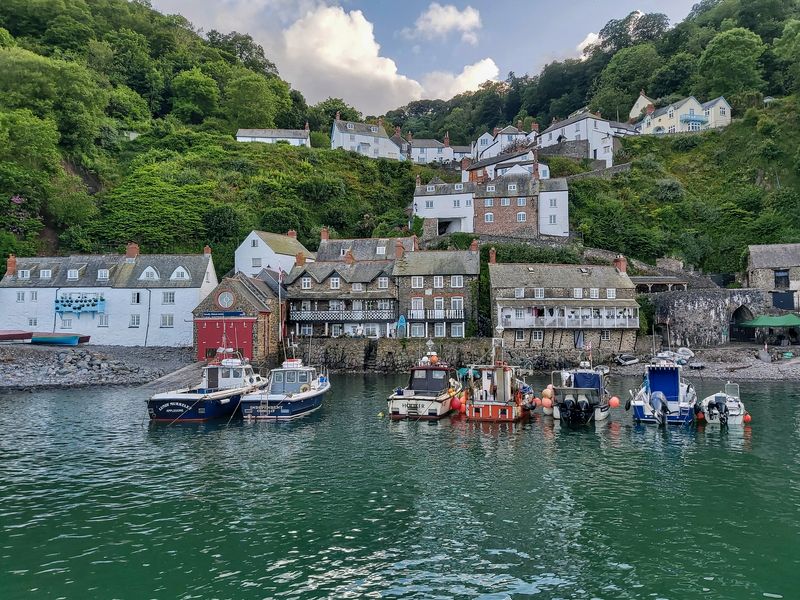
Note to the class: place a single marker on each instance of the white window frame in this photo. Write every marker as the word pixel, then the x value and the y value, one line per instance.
pixel 417 282
pixel 383 283
pixel 489 188
pixel 34 296
pixel 305 283
pixel 457 330
pixel 136 297
pixel 488 202
pixel 469 203
pixel 594 293
pixel 505 201
pixel 512 187
pixel 519 335
pixel 33 321
pixel 358 287
pixel 20 296
pixel 135 320
pixel 72 274
pixel 24 274
pixel 336 283
pixel 417 330
pixel 428 203
pixel 611 293
pixel 577 293
pixel 66 323
pixel 456 281
pixel 456 203
pixel 439 330
pixel 380 250
pixel 605 335
pixel 430 188
pixel 102 320
pixel 457 303
pixel 254 243
pixel 102 274
pixel 488 218
pixel 522 217
pixel 438 281
pixel 459 187
pixel 519 292
pixel 45 274
pixel 537 335
pixel 553 202
pixel 255 262
pixel 538 293
pixel 522 201
pixel 167 321
pixel 167 297
pixel 553 220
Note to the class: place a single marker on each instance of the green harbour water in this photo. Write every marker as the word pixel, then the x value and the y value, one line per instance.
pixel 95 502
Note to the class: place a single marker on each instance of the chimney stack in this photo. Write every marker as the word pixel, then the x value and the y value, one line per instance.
pixel 323 233
pixel 492 256
pixel 641 93
pixel 519 124
pixel 299 259
pixel 132 250
pixel 416 243
pixel 535 165
pixel 349 258
pixel 11 265
pixel 535 127
pixel 447 139
pixel 380 121
pixel 409 137
pixel 207 250
pixel 651 109
pixel 495 131
pixel 338 116
pixel 621 263
pixel 474 246
pixel 419 180
pixel 465 163
pixel 307 127
pixel 398 249
pixel 397 131
pixel 292 233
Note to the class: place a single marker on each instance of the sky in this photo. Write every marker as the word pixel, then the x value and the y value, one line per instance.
pixel 381 54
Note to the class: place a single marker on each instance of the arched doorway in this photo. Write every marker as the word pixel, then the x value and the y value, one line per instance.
pixel 737 333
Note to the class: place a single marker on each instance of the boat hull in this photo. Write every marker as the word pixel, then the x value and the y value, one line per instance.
pixel 577 417
pixel 495 412
pixel 419 408
pixel 181 409
pixel 57 340
pixel 735 414
pixel 685 415
pixel 264 408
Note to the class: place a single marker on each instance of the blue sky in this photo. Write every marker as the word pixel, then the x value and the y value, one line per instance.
pixel 379 55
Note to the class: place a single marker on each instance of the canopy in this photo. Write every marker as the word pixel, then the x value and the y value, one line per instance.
pixel 768 321
pixel 585 380
pixel 464 371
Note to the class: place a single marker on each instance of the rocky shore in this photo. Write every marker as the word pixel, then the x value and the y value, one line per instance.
pixel 26 366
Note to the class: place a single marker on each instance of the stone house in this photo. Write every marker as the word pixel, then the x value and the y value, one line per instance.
pixel 775 268
pixel 266 250
pixel 244 313
pixel 564 307
pixel 437 291
pixel 362 249
pixel 123 300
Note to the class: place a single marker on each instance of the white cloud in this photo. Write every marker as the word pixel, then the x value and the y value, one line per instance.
pixel 444 85
pixel 590 39
pixel 438 21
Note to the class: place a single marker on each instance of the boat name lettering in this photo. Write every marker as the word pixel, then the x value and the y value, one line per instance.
pixel 170 405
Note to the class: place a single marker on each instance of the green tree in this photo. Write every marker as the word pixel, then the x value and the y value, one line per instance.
pixel 128 108
pixel 628 72
pixel 195 96
pixel 675 77
pixel 132 66
pixel 245 49
pixel 322 114
pixel 6 39
pixel 249 102
pixel 730 63
pixel 787 49
pixel 222 223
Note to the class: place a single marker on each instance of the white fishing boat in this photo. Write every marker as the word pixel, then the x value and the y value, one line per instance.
pixel 432 387
pixel 579 396
pixel 723 408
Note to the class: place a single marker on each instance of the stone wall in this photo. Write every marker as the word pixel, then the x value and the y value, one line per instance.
pixel 570 149
pixel 701 318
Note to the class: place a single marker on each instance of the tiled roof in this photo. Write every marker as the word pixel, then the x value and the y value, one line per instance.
pixel 495 159
pixel 774 256
pixel 424 143
pixel 283 244
pixel 361 128
pixel 562 276
pixel 462 149
pixel 438 262
pixel 358 272
pixel 274 133
pixel 526 186
pixel 362 249
pixel 445 189
pixel 553 185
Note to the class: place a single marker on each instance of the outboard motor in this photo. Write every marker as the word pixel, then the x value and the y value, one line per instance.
pixel 568 408
pixel 658 404
pixel 585 408
pixel 720 404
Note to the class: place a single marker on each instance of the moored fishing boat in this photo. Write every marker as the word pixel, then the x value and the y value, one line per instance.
pixel 224 382
pixel 496 394
pixel 294 391
pixel 580 396
pixel 432 386
pixel 723 408
pixel 664 396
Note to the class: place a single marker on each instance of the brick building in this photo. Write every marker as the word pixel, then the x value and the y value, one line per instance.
pixel 564 306
pixel 437 291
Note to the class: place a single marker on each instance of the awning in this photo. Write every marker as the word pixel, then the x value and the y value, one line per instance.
pixel 769 321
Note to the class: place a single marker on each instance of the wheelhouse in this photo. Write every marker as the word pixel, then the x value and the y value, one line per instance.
pixel 291 381
pixel 430 381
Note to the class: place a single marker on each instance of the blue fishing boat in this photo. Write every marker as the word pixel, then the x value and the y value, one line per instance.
pixel 294 391
pixel 664 397
pixel 59 339
pixel 217 396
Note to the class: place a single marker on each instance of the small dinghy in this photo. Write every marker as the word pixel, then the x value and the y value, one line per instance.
pixel 723 408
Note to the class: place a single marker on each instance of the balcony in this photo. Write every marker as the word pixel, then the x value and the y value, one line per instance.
pixel 530 322
pixel 437 314
pixel 343 316
pixel 690 118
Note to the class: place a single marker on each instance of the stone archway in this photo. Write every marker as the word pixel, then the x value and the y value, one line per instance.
pixel 737 333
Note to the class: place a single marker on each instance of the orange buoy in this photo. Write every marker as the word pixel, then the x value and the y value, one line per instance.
pixel 463 409
pixel 701 416
pixel 614 402
pixel 747 418
pixel 537 401
pixel 547 402
pixel 456 403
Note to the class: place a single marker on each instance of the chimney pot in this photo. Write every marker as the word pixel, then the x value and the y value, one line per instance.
pixel 535 127
pixel 307 127
pixel 650 109
pixel 11 264
pixel 338 115
pixel 349 258
pixel 132 250
pixel 292 233
pixel 398 249
pixel 397 131
pixel 380 121
pixel 207 250
pixel 447 139
pixel 409 137
pixel 621 263
pixel 323 233
pixel 419 179
pixel 473 247
pixel 492 256
pixel 299 259
pixel 495 131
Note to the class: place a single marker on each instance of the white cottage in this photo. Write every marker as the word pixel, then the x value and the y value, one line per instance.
pixel 449 203
pixel 265 250
pixel 293 137
pixel 426 151
pixel 364 138
pixel 687 115
pixel 492 144
pixel 130 300
pixel 598 135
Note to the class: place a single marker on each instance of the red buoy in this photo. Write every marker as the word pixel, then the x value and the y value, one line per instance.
pixel 547 402
pixel 456 403
pixel 701 416
pixel 747 418
pixel 537 401
pixel 614 402
pixel 462 409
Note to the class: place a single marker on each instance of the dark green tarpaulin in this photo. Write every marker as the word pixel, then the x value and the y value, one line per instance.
pixel 767 321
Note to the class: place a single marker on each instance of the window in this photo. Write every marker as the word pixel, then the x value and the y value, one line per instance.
pixel 336 330
pixel 102 320
pixel 488 218
pixel 519 292
pixel 167 297
pixel 20 296
pixel 469 203
pixel 33 322
pixel 594 293
pixel 150 274
pixel 549 136
pixel 611 293
pixel 383 283
pixel 723 111
pixel 306 329
pixel 457 303
pixel 136 297
pixel 102 274
pixel 438 330
pixel 416 304
pixel 417 282
pixel 456 203
pixel 552 219
pixel 519 314
pixel 671 129
pixel 428 203
pixel 431 188
pixel 135 320
pixel 457 330
pixel 605 335
pixel 45 274
pixel 553 203
pixel 417 330
pixel 489 188
pixel 334 305
pixel 519 335
pixel 522 217
pixel 384 304
pixel 457 281
pixel 522 201
pixel 438 303
pixel 538 293
pixel 577 293
pixel 72 274
pixel 34 296
pixel 255 262
pixel 380 250
pixel 577 126
pixel 505 201
pixel 358 287
pixel 374 129
pixel 335 283
pixel 438 281
pixel 254 243
pixel 179 273
pixel 66 323
pixel 23 274
pixel 607 149
pixel 707 112
pixel 488 203
pixel 167 321
pixel 459 187
pixel 350 126
pixel 305 283
pixel 537 335
pixel 512 187
pixel 671 114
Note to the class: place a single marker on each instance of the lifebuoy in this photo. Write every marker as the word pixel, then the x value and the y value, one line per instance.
pixel 305 387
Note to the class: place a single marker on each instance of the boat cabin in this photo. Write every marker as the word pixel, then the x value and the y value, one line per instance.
pixel 291 378
pixel 429 380
pixel 230 373
pixel 496 384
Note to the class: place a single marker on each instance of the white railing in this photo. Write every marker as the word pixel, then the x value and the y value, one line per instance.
pixel 332 316
pixel 570 323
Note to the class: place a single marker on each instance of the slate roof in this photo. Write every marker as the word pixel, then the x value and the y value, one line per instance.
pixel 495 159
pixel 445 188
pixel 438 262
pixel 299 134
pixel 526 186
pixel 283 244
pixel 462 149
pixel 665 109
pixel 122 274
pixel 509 129
pixel 573 119
pixel 255 292
pixel 358 272
pixel 714 102
pixel 364 249
pixel 562 276
pixel 425 143
pixel 361 129
pixel 774 256
pixel 553 185
pixel 271 279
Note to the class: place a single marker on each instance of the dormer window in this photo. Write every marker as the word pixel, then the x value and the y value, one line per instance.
pixel 45 274
pixel 149 274
pixel 431 188
pixel 489 188
pixel 305 283
pixel 512 187
pixel 373 129
pixel 519 292
pixel 350 126
pixel 343 251
pixel 381 250
pixel 335 283
pixel 23 274
pixel 72 274
pixel 102 274
pixel 180 273
pixel 459 187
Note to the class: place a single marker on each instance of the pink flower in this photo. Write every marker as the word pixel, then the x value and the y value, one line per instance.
pixel 17 199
